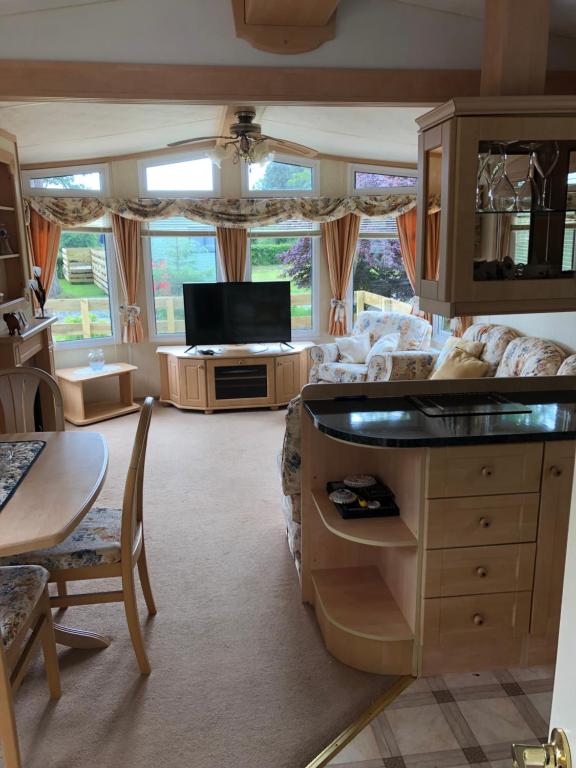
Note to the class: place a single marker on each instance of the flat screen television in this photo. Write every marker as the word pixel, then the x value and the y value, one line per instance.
pixel 236 313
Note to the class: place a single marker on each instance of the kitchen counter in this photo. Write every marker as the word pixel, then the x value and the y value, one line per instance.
pixel 397 422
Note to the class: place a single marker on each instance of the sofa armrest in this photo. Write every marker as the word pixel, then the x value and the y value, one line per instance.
pixel 290 461
pixel 324 353
pixel 397 366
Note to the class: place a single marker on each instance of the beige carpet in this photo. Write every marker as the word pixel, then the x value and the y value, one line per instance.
pixel 240 676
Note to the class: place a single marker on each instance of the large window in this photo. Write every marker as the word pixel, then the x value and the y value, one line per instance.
pixel 280 177
pixel 76 182
pixel 379 279
pixel 82 285
pixel 374 179
pixel 176 175
pixel 287 251
pixel 179 251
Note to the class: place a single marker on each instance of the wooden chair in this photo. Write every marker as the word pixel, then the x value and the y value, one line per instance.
pixel 18 389
pixel 108 543
pixel 25 621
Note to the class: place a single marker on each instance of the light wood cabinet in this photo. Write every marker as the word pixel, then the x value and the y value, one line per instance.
pixel 501 172
pixel 233 378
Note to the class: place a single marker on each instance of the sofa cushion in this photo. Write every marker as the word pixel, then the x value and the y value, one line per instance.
pixel 568 367
pixel 385 344
pixel 530 356
pixel 342 373
pixel 459 364
pixel 354 349
pixel 474 348
pixel 496 339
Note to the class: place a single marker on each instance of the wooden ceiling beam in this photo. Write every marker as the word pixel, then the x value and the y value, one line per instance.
pixel 289 13
pixel 515 56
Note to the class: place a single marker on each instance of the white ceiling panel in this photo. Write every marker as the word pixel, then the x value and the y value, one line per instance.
pixel 14 7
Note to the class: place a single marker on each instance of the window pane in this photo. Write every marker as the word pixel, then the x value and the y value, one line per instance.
pixel 190 175
pixel 79 294
pixel 281 177
pixel 286 258
pixel 89 181
pixel 380 281
pixel 364 180
pixel 178 260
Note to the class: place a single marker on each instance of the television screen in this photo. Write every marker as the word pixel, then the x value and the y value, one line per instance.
pixel 237 313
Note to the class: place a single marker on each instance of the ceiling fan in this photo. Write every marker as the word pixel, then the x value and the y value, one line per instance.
pixel 246 141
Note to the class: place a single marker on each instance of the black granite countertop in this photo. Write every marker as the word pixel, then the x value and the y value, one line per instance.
pixel 397 422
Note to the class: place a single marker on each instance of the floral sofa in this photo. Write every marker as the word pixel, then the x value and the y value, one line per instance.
pixel 413 353
pixel 508 353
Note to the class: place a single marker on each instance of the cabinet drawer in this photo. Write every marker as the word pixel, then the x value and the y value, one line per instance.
pixel 471 618
pixel 479 520
pixel 479 570
pixel 484 469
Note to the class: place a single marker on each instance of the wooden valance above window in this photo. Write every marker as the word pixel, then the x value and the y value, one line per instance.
pixel 221 212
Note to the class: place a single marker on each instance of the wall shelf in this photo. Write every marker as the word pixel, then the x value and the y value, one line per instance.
pixel 5 256
pixel 374 532
pixel 9 208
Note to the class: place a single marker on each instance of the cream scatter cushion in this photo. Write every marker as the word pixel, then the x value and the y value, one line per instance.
pixel 474 348
pixel 458 364
pixel 387 343
pixel 354 349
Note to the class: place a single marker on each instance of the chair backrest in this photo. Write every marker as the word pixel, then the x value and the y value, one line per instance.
pixel 531 356
pixel 495 338
pixel 132 506
pixel 18 389
pixel 415 332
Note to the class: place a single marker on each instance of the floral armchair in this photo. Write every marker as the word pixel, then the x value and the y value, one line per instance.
pixel 412 360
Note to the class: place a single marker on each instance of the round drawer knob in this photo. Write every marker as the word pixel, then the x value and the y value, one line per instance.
pixel 481 572
pixel 556 471
pixel 487 471
pixel 478 619
pixel 484 522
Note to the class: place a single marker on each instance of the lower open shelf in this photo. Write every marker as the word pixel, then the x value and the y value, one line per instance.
pixel 360 621
pixel 94 412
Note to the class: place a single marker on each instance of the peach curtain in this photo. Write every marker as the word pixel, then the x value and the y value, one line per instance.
pixel 406 224
pixel 340 238
pixel 43 242
pixel 433 246
pixel 459 325
pixel 232 245
pixel 127 239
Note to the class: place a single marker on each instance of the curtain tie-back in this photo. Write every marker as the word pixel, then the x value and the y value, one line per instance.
pixel 129 313
pixel 339 307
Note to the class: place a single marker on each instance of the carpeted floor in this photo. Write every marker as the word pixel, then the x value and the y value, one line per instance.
pixel 240 676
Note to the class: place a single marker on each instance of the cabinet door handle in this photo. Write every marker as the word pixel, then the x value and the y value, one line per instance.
pixel 484 522
pixel 487 471
pixel 481 572
pixel 478 619
pixel 556 471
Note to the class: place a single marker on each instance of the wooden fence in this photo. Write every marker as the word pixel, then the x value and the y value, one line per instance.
pixel 366 300
pixel 89 327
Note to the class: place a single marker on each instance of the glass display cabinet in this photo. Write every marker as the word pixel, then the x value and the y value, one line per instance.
pixel 503 173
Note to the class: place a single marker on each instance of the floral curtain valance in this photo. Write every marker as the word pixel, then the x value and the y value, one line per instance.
pixel 221 212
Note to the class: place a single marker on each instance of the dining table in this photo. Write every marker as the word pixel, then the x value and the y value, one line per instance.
pixel 54 495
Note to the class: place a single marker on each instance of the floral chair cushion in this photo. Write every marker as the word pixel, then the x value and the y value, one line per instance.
pixel 530 356
pixel 568 367
pixel 415 332
pixel 96 541
pixel 21 587
pixel 495 338
pixel 342 373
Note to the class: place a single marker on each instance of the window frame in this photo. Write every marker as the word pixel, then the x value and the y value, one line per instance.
pixel 102 168
pixel 114 337
pixel 305 162
pixel 354 168
pixel 174 159
pixel 153 335
pixel 439 335
pixel 316 237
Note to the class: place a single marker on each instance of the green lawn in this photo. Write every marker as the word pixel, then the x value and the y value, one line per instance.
pixel 76 291
pixel 271 272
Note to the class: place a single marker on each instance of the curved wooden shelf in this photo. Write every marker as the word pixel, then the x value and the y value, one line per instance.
pixel 374 532
pixel 360 621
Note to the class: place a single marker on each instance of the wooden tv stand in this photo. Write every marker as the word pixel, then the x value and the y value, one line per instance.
pixel 234 377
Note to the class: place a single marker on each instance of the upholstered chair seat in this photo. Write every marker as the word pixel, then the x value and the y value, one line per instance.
pixel 96 541
pixel 21 588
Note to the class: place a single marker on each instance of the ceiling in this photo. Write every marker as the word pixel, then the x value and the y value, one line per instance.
pixel 54 131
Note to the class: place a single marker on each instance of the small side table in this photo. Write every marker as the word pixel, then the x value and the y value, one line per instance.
pixel 77 411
